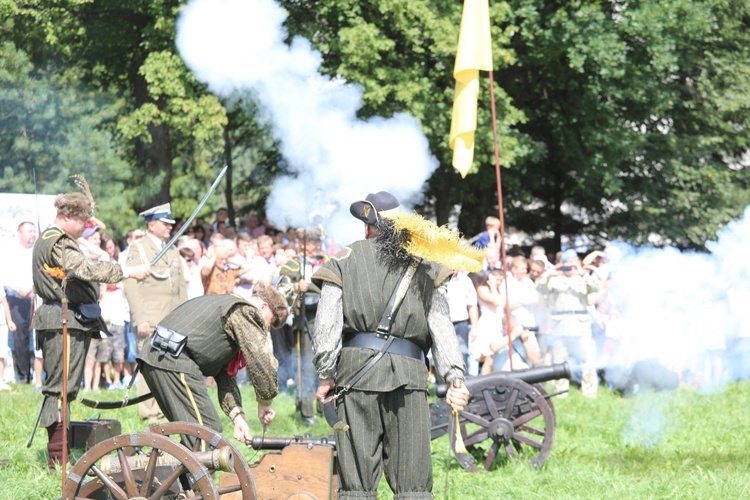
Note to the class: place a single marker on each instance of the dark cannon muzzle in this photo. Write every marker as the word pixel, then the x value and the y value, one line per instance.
pixel 530 376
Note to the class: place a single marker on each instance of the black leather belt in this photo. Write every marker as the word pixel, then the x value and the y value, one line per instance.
pixel 369 340
pixel 461 321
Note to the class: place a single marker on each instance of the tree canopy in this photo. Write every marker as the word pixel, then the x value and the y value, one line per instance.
pixel 616 120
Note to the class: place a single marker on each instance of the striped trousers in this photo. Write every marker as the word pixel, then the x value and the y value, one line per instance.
pixel 388 432
pixel 182 397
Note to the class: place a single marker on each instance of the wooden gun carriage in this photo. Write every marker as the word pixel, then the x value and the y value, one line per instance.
pixel 153 464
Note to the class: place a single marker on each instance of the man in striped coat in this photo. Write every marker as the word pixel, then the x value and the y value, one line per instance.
pixel 224 333
pixel 386 408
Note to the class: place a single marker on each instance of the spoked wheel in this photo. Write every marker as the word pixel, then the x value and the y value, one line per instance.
pixel 208 439
pixel 543 391
pixel 139 466
pixel 514 416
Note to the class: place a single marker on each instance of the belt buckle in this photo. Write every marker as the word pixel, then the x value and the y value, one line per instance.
pixel 382 333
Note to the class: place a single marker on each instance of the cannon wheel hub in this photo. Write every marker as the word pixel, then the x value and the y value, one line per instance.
pixel 501 429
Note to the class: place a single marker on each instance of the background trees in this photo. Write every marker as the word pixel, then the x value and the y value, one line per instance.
pixel 616 120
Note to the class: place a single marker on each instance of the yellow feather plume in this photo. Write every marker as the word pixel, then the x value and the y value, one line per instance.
pixel 436 243
pixel 80 181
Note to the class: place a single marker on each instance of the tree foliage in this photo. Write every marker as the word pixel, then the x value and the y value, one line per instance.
pixel 640 111
pixel 615 119
pixel 50 128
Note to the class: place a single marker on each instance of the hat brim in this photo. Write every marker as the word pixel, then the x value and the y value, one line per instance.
pixel 166 220
pixel 364 211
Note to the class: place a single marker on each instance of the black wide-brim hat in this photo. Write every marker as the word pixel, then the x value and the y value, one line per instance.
pixel 374 206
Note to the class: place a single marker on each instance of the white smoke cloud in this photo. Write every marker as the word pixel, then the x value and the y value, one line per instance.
pixel 237 47
pixel 685 309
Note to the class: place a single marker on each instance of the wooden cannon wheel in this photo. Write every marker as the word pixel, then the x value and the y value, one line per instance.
pixel 513 415
pixel 139 483
pixel 209 439
pixel 543 391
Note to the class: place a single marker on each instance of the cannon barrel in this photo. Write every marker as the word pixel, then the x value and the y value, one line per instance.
pixel 279 443
pixel 220 459
pixel 530 376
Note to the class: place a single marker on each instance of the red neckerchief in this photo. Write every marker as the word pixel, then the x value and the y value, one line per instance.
pixel 236 364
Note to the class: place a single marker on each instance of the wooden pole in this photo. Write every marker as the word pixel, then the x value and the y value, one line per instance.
pixel 501 213
pixel 65 371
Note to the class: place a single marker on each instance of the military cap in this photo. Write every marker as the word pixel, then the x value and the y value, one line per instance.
pixel 161 212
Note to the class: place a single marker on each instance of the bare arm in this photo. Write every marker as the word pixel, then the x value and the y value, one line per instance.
pixel 473 315
pixel 8 318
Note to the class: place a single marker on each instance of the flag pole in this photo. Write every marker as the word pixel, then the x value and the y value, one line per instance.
pixel 501 214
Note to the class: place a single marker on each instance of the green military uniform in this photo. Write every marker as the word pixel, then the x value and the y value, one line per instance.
pixel 151 299
pixel 387 408
pixel 56 249
pixel 304 310
pixel 217 328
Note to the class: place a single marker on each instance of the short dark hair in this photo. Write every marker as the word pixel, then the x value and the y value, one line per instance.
pixel 275 301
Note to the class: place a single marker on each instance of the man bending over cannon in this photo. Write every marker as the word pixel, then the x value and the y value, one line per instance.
pixel 383 306
pixel 215 335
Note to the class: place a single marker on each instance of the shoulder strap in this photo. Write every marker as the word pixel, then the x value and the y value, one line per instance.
pixel 384 328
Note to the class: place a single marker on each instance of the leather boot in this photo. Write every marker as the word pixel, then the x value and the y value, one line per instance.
pixel 54 446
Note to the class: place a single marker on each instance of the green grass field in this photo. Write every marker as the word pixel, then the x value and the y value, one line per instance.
pixel 683 444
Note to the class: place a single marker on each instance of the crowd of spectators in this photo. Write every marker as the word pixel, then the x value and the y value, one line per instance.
pixel 536 308
pixel 215 257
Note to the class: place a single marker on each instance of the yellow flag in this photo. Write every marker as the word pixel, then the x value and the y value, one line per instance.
pixel 473 54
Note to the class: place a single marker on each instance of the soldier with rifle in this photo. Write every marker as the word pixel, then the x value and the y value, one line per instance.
pixel 296 275
pixel 66 279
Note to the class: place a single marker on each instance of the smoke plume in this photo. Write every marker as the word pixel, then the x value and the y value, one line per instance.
pixel 688 310
pixel 237 47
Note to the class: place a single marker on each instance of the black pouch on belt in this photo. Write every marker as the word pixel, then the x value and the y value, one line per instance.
pixel 165 341
pixel 90 316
